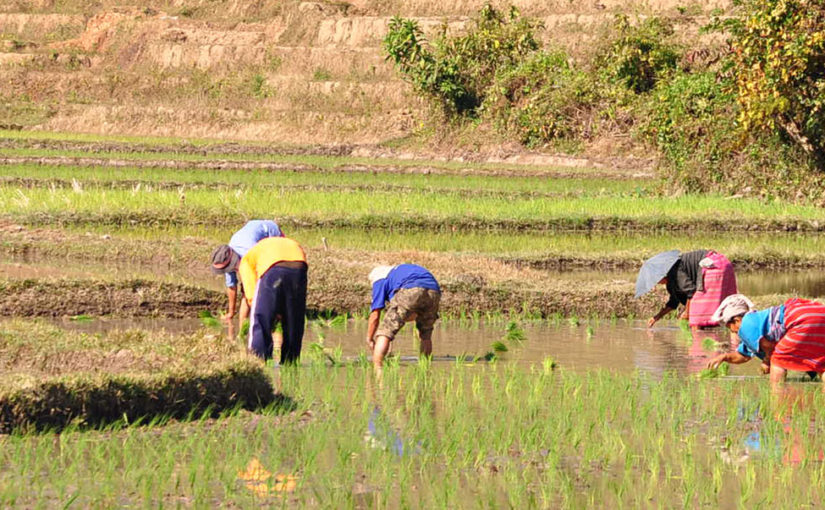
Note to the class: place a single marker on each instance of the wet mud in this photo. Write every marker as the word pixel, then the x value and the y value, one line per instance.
pixel 143 298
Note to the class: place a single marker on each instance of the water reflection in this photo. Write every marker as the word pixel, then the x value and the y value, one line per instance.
pixel 620 345
pixel 786 432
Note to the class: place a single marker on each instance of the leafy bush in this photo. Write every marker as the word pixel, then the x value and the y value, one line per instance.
pixel 458 71
pixel 638 55
pixel 779 62
pixel 540 99
pixel 691 119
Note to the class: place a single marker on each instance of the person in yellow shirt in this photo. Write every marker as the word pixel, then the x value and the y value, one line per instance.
pixel 274 278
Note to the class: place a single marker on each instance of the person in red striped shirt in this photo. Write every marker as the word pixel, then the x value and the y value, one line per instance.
pixel 790 336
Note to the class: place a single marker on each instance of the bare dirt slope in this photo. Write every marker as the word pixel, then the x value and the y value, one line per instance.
pixel 285 71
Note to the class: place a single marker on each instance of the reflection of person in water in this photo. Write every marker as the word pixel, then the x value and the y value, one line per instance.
pixel 790 336
pixel 697 355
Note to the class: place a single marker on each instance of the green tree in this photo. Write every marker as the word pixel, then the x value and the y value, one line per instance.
pixel 457 71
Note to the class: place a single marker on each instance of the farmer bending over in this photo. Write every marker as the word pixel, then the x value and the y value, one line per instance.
pixel 409 293
pixel 790 336
pixel 274 278
pixel 226 257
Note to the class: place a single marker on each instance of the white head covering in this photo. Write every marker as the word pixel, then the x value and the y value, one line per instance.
pixel 731 307
pixel 379 273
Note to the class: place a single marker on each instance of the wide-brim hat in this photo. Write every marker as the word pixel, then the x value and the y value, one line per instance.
pixel 224 259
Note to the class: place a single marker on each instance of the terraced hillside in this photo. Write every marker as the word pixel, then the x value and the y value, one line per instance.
pixel 286 71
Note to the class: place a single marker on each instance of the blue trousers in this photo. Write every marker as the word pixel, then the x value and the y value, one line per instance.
pixel 281 294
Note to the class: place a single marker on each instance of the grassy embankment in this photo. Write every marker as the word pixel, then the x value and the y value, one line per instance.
pixel 411 211
pixel 569 440
pixel 52 378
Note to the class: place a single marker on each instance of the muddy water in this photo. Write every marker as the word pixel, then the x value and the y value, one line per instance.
pixel 624 346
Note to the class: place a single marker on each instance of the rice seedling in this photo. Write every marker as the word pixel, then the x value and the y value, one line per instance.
pixel 548 364
pixel 209 320
pixel 709 344
pixel 134 178
pixel 514 333
pixel 712 373
pixel 412 211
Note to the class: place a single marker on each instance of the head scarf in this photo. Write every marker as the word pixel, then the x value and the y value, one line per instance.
pixel 379 273
pixel 731 307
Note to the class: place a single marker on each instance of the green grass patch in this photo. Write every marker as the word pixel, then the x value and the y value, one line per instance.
pixel 112 177
pixel 625 249
pixel 408 211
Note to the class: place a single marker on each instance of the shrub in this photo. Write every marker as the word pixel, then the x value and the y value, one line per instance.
pixel 541 99
pixel 639 55
pixel 690 118
pixel 457 72
pixel 779 61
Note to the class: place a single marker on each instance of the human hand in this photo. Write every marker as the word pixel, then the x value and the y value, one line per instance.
pixel 651 321
pixel 716 361
pixel 685 316
pixel 765 368
pixel 370 344
pixel 228 316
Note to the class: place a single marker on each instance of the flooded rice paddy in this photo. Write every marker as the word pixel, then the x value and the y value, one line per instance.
pixel 621 345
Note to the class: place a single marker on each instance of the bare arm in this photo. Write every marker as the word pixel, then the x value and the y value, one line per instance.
pixel 244 311
pixel 733 357
pixel 232 296
pixel 372 327
pixel 686 314
pixel 664 311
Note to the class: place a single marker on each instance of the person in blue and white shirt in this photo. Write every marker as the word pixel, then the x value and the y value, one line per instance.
pixel 225 259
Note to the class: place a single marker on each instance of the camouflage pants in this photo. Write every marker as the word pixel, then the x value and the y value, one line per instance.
pixel 416 303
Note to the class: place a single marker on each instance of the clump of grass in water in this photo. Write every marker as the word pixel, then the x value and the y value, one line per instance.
pixel 499 347
pixel 82 318
pixel 338 321
pixel 514 333
pixel 318 351
pixel 712 373
pixel 209 320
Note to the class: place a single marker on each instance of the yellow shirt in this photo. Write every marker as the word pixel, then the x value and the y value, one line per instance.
pixel 262 256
